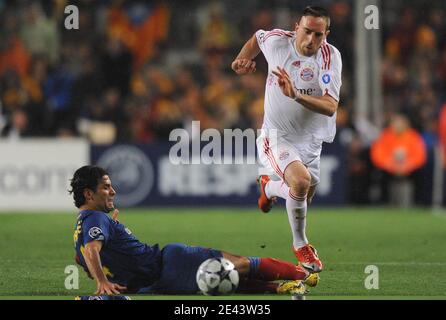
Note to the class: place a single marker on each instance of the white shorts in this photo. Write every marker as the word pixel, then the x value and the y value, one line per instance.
pixel 276 153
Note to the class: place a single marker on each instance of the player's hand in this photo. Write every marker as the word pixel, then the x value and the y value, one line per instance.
pixel 285 83
pixel 115 215
pixel 109 288
pixel 243 66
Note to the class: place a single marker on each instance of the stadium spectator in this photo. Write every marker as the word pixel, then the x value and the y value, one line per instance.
pixel 399 151
pixel 39 33
pixel 17 127
pixel 216 36
pixel 13 55
pixel 116 63
pixel 58 94
pixel 142 26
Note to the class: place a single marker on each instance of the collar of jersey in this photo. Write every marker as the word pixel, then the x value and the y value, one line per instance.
pixel 85 213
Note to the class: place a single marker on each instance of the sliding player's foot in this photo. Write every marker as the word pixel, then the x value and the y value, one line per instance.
pixel 307 256
pixel 292 287
pixel 312 280
pixel 265 204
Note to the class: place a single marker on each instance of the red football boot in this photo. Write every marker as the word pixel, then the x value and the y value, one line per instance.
pixel 307 256
pixel 265 204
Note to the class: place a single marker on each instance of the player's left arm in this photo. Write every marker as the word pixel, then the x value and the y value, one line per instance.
pixel 329 82
pixel 326 104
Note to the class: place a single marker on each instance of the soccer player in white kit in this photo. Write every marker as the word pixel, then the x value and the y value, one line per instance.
pixel 301 99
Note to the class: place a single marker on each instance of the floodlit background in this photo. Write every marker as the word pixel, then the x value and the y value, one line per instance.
pixel 111 92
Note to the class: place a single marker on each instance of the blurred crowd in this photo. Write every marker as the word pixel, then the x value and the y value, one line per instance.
pixel 135 70
pixel 413 72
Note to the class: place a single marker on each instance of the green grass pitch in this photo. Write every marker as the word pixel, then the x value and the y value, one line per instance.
pixel 408 247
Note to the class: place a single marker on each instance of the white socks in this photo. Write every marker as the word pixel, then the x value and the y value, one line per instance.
pixel 276 189
pixel 296 208
pixel 297 216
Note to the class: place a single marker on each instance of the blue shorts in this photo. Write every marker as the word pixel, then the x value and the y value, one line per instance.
pixel 179 269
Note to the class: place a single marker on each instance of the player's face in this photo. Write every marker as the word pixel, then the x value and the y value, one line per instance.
pixel 310 33
pixel 102 199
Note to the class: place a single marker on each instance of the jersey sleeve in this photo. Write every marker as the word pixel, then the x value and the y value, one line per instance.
pixel 330 79
pixel 269 41
pixel 96 227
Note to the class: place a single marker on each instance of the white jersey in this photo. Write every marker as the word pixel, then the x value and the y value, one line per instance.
pixel 317 75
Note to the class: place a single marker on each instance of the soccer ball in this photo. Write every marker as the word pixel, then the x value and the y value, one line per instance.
pixel 217 276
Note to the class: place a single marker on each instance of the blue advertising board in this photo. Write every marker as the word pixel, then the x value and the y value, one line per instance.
pixel 145 175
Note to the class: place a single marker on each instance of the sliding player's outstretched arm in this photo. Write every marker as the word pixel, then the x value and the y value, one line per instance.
pixel 93 260
pixel 244 63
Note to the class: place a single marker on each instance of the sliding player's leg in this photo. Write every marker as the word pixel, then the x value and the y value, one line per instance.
pixel 257 275
pixel 180 263
pixel 268 269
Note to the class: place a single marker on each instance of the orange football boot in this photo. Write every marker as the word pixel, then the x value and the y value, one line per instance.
pixel 307 256
pixel 264 203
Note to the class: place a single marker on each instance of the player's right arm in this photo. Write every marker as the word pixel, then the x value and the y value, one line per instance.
pixel 97 232
pixel 93 259
pixel 243 63
pixel 267 42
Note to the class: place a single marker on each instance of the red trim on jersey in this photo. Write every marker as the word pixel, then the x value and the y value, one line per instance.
pixel 277 33
pixel 329 57
pixel 286 33
pixel 326 55
pixel 271 159
pixel 273 163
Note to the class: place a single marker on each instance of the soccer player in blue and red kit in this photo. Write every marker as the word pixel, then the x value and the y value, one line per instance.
pixel 120 263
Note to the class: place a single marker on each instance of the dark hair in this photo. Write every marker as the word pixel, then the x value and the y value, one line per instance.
pixel 86 177
pixel 317 12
